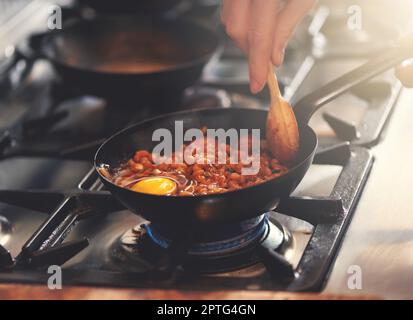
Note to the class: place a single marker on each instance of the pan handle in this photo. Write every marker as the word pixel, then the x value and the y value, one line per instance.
pixel 309 104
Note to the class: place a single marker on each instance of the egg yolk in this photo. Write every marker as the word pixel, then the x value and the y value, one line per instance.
pixel 155 185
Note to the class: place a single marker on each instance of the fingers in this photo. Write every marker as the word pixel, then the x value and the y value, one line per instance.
pixel 261 28
pixel 260 40
pixel 288 18
pixel 235 17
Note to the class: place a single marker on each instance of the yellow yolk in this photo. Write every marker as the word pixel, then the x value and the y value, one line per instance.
pixel 155 185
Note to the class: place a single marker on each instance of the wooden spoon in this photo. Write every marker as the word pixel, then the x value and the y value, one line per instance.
pixel 282 134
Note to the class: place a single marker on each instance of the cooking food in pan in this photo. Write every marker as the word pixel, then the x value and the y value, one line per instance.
pixel 206 176
pixel 244 203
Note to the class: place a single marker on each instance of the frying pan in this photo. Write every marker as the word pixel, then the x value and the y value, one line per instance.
pixel 240 204
pixel 147 6
pixel 123 57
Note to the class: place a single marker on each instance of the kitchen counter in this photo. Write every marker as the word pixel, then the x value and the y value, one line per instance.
pixel 42 292
pixel 380 238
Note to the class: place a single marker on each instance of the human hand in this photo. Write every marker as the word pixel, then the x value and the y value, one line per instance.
pixel 262 28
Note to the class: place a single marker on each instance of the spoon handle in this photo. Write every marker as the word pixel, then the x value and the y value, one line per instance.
pixel 273 84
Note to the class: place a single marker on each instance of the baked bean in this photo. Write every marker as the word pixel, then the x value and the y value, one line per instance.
pixel 142 154
pixel 235 176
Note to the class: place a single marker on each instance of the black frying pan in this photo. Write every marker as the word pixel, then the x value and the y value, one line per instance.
pixel 130 6
pixel 241 204
pixel 126 57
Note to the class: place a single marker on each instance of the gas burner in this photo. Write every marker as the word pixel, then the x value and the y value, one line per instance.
pixel 205 97
pixel 232 75
pixel 227 72
pixel 218 249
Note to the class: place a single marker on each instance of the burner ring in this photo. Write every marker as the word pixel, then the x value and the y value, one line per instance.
pixel 135 250
pixel 217 240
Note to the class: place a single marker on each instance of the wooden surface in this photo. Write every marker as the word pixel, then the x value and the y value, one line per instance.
pixel 380 237
pixel 24 292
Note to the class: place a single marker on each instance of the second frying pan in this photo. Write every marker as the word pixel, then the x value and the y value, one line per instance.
pixel 126 57
pixel 131 6
pixel 240 204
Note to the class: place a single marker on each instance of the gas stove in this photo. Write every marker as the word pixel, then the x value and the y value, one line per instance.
pixel 55 211
pixel 100 243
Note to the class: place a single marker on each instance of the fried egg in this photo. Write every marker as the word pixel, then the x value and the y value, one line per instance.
pixel 155 185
